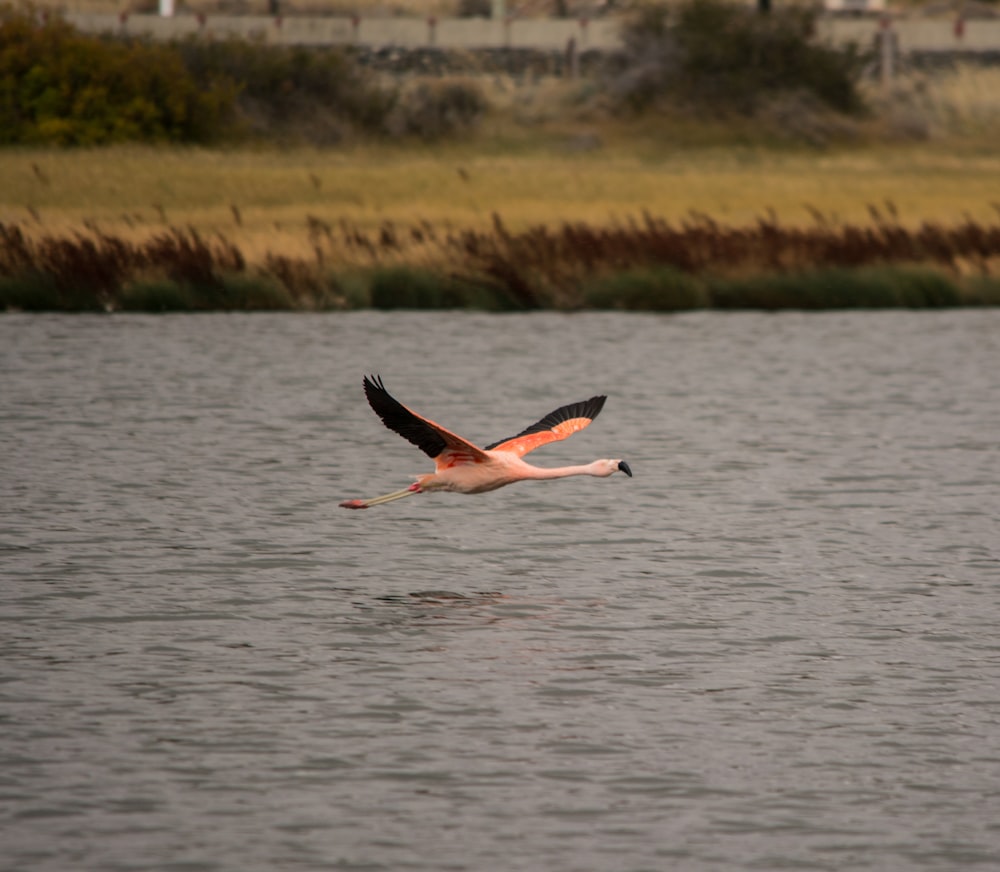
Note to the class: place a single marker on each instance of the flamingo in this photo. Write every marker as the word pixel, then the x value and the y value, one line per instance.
pixel 465 468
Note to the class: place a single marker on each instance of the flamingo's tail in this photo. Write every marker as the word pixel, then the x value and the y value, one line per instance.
pixel 385 498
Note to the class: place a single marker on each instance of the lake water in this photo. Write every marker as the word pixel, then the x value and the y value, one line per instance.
pixel 776 647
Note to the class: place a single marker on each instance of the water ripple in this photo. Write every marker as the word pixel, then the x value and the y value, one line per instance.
pixel 775 647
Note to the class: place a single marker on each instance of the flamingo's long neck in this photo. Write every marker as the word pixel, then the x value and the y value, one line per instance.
pixel 540 472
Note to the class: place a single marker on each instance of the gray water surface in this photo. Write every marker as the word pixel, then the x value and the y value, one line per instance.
pixel 776 647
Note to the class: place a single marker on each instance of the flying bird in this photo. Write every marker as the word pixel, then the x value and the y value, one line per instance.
pixel 465 468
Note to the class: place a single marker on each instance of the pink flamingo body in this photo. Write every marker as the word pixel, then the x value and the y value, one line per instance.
pixel 462 467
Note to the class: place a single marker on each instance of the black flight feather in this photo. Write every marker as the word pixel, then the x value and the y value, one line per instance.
pixel 585 409
pixel 397 417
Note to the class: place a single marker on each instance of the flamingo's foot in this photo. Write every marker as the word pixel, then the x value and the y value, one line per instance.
pixel 385 498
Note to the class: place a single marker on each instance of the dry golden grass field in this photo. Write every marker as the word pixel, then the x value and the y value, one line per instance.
pixel 546 154
pixel 535 160
pixel 267 199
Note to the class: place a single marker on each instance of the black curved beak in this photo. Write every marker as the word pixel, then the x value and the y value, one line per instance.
pixel 623 466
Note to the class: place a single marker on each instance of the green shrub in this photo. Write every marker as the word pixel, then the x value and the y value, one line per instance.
pixel 353 288
pixel 230 292
pixel 715 55
pixel 405 288
pixel 653 289
pixel 871 288
pixel 923 288
pixel 295 91
pixel 237 291
pixel 61 87
pixel 156 295
pixel 434 109
pixel 36 291
pixel 474 8
pixel 30 292
pixel 981 291
pixel 409 288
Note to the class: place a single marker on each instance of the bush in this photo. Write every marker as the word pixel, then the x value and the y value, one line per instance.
pixel 229 293
pixel 434 109
pixel 30 292
pixel 60 87
pixel 982 291
pixel 156 295
pixel 408 288
pixel 871 288
pixel 474 8
pixel 312 94
pixel 655 289
pixel 922 288
pixel 715 55
pixel 250 293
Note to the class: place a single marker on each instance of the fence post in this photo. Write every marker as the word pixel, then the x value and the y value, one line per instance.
pixel 886 51
pixel 572 59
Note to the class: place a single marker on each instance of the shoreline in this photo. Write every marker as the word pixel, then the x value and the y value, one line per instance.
pixel 646 264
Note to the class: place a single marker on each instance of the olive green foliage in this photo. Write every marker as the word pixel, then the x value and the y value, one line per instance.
pixel 61 87
pixel 869 288
pixel 411 288
pixel 291 91
pixel 652 289
pixel 232 292
pixel 157 295
pixel 35 291
pixel 433 110
pixel 982 291
pixel 630 268
pixel 38 292
pixel 715 55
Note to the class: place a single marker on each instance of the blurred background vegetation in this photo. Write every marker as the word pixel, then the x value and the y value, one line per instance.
pixel 689 65
pixel 456 8
pixel 232 174
pixel 63 87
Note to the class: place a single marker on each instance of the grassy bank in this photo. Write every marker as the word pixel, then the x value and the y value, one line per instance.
pixel 157 229
pixel 641 265
pixel 266 200
pixel 663 179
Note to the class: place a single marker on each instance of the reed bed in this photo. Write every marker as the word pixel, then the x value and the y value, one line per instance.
pixel 644 263
pixel 554 262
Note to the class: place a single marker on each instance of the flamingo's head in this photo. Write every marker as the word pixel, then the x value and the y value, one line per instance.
pixel 604 468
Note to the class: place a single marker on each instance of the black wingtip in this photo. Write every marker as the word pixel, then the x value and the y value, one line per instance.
pixel 584 409
pixel 375 391
pixel 400 419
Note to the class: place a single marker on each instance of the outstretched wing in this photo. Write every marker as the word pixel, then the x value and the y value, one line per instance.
pixel 435 441
pixel 563 422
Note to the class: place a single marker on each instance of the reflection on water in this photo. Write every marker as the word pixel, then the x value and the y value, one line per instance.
pixel 775 647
